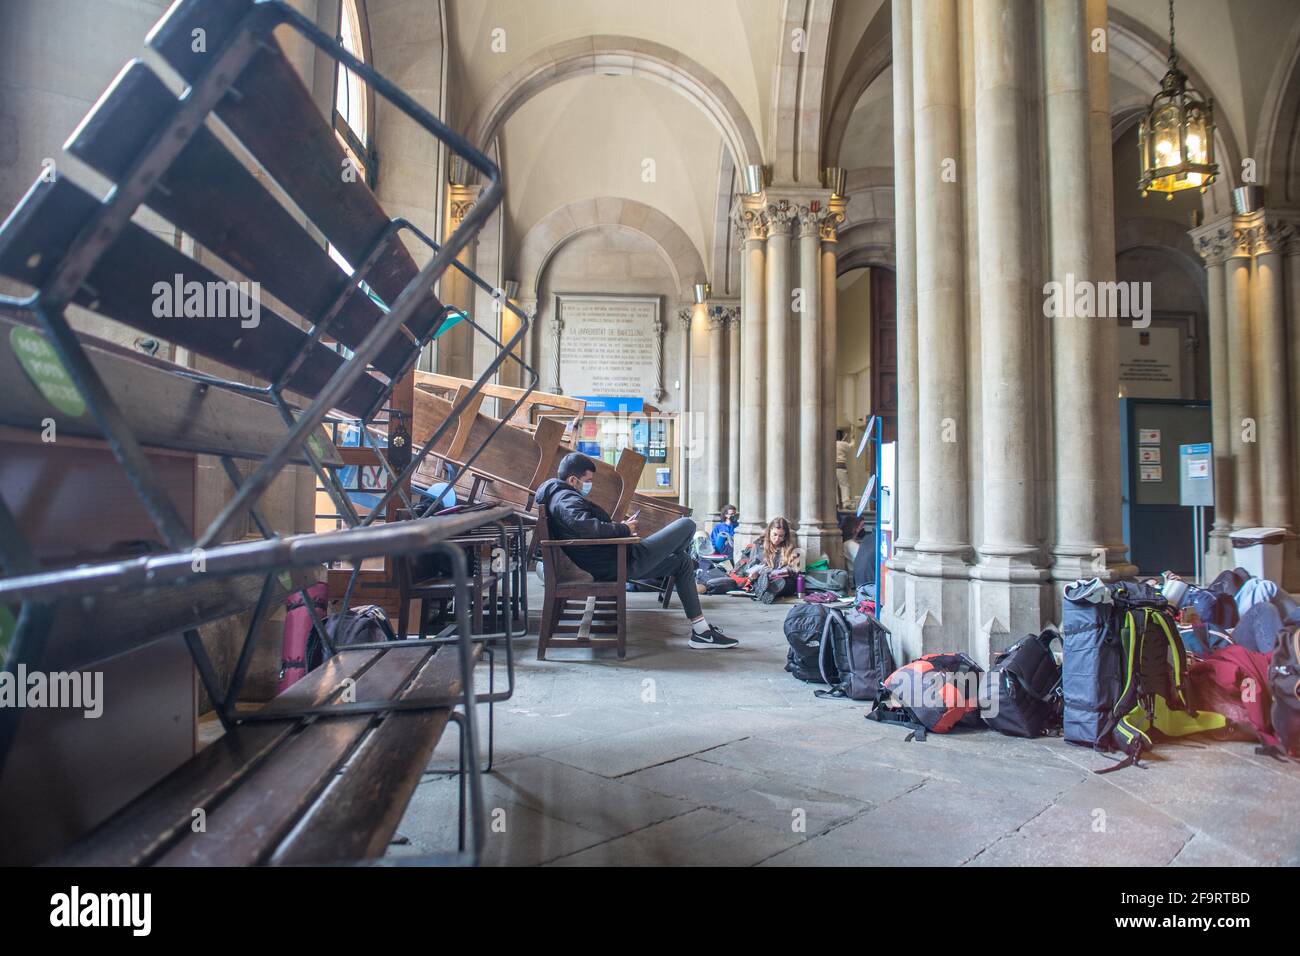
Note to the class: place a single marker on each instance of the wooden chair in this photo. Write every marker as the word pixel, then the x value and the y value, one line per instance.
pixel 483 585
pixel 576 607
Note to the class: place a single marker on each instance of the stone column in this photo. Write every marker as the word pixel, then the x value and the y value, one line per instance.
pixel 1082 443
pixel 895 607
pixel 1212 242
pixel 530 345
pixel 812 350
pixel 776 401
pixel 828 493
pixel 941 589
pixel 1274 439
pixel 557 335
pixel 1243 422
pixel 1291 579
pixel 1008 590
pixel 717 437
pixel 753 372
pixel 1292 249
pixel 733 405
pixel 685 435
pixel 455 346
pixel 1105 337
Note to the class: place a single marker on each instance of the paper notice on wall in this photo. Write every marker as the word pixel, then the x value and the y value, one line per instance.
pixel 1148 436
pixel 1149 456
pixel 1198 468
pixel 1151 473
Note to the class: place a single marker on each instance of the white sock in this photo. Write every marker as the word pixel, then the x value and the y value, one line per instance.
pixel 700 626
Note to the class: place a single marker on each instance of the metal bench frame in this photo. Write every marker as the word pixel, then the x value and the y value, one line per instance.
pixel 39 590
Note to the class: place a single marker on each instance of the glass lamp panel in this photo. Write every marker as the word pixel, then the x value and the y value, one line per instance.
pixel 1166 133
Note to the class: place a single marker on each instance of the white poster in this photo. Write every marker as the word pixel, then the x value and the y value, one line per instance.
pixel 609 345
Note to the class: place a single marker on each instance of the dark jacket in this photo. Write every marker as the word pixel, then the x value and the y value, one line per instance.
pixel 571 515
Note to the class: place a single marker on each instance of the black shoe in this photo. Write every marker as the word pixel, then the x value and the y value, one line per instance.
pixel 712 638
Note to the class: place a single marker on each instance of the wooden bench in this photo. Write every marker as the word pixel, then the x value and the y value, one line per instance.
pixel 526 403
pixel 344 767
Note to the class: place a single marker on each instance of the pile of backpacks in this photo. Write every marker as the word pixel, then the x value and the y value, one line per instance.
pixel 1132 664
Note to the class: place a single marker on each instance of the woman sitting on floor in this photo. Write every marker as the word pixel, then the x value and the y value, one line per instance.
pixel 774 556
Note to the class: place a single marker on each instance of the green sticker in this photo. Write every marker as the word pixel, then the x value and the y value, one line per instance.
pixel 47 373
pixel 7 628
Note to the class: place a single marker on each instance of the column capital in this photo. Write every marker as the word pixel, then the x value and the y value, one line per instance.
pixel 781 216
pixel 722 315
pixel 1269 232
pixel 460 200
pixel 809 222
pixel 750 220
pixel 833 218
pixel 1213 241
pixel 684 315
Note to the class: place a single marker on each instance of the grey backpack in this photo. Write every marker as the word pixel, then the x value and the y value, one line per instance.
pixel 833 579
pixel 855 649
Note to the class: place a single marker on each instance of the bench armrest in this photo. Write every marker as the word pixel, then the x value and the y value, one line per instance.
pixel 585 542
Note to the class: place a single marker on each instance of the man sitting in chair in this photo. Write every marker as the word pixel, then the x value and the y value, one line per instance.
pixel 668 551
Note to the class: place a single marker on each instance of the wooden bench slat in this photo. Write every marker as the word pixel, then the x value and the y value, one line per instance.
pixel 164 409
pixel 245 828
pixel 137 833
pixel 122 284
pixel 213 197
pixel 276 119
pixel 380 778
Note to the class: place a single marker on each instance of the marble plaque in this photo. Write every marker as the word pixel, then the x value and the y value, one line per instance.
pixel 608 345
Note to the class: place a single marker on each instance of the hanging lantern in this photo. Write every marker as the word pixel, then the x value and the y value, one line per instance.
pixel 1176 138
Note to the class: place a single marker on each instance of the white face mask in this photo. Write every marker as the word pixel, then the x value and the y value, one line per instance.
pixel 586 488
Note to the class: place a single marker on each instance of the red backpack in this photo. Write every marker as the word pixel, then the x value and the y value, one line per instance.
pixel 1234 681
pixel 936 692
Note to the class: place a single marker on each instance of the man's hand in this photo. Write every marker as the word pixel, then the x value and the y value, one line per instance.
pixel 631 527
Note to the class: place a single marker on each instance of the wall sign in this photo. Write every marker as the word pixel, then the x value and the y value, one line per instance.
pixel 42 365
pixel 1150 362
pixel 610 344
pixel 1196 475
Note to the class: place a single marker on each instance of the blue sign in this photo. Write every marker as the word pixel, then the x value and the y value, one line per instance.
pixel 624 404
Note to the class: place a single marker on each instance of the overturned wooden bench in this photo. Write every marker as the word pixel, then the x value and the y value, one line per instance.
pixel 378 709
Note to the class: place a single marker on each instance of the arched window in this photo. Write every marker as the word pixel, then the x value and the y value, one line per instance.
pixel 353 100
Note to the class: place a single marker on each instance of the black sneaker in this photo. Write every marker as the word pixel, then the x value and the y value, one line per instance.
pixel 712 638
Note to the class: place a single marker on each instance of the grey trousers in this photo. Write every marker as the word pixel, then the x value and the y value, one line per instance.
pixel 668 551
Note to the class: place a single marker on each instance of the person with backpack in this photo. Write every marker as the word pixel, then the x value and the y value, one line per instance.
pixel 572 514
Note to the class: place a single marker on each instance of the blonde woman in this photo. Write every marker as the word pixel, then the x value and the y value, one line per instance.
pixel 776 556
